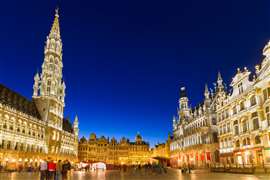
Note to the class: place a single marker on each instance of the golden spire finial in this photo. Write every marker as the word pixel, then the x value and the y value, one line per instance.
pixel 57 12
pixel 55 30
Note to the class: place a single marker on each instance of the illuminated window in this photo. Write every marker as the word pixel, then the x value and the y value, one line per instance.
pixel 240 88
pixel 8 145
pixel 224 128
pixel 253 100
pixel 237 143
pixel 228 127
pixel 255 120
pixel 236 130
pixel 257 140
pixel 266 93
pixel 245 126
pixel 242 105
pixel 267 111
pixel 234 110
pixel 248 141
pixel 244 142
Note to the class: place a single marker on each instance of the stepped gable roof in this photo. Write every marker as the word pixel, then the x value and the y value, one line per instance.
pixel 20 103
pixel 67 126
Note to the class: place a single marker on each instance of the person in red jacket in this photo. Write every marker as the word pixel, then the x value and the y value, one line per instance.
pixel 51 169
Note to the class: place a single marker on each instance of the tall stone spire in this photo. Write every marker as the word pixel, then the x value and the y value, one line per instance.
pixel 49 87
pixel 51 77
pixel 55 30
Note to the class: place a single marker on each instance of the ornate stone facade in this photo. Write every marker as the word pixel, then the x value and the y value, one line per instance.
pixel 161 151
pixel 112 152
pixel 31 130
pixel 195 130
pixel 244 117
pixel 240 115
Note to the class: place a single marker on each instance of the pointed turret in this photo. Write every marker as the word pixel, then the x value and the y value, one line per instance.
pixel 55 30
pixel 174 123
pixel 206 92
pixel 138 138
pixel 183 103
pixel 76 132
pixel 220 86
pixel 76 125
pixel 36 85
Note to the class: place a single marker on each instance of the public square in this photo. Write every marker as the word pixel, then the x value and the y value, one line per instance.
pixel 172 174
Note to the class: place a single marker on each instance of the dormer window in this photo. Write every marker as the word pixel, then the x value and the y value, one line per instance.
pixel 240 88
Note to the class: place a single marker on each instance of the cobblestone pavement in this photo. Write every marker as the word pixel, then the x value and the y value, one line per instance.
pixel 116 175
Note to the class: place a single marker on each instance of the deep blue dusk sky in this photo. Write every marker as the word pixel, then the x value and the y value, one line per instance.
pixel 124 61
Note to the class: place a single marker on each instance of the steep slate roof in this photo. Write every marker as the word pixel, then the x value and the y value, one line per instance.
pixel 18 102
pixel 67 126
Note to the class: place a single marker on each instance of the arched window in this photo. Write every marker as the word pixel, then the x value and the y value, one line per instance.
pixel 242 106
pixel 248 141
pixel 245 126
pixel 244 142
pixel 267 112
pixel 237 143
pixel 257 140
pixel 225 143
pixel 8 145
pixel 266 93
pixel 49 83
pixel 252 100
pixel 236 130
pixel 230 142
pixel 234 110
pixel 255 123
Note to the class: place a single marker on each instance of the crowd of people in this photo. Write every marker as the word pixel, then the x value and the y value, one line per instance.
pixel 155 168
pixel 49 170
pixel 186 168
